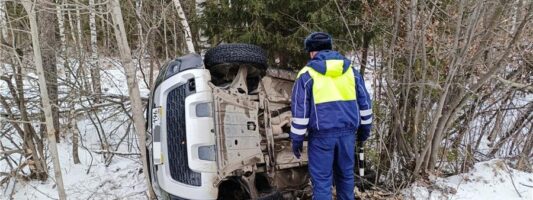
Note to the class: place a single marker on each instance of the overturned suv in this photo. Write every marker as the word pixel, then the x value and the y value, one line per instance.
pixel 219 128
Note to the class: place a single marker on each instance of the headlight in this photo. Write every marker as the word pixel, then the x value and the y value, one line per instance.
pixel 203 110
pixel 206 152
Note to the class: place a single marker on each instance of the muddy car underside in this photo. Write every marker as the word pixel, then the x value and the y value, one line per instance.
pixel 252 132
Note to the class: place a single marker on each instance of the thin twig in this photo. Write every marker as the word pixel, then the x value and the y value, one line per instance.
pixel 512 180
pixel 114 152
pixel 531 186
pixel 8 152
pixel 43 193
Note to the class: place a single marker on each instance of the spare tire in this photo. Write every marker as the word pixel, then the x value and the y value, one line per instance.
pixel 236 53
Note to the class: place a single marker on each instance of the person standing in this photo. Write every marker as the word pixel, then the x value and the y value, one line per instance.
pixel 329 102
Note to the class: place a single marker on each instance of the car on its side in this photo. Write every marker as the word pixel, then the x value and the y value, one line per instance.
pixel 219 128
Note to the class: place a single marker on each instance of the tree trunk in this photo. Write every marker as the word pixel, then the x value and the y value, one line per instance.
pixel 138 10
pixel 523 161
pixel 516 14
pixel 71 27
pixel 95 64
pixel 47 35
pixel 185 25
pixel 105 25
pixel 165 36
pixel 61 23
pixel 174 33
pixel 202 39
pixel 154 61
pixel 63 56
pixel 78 28
pixel 72 126
pixel 367 37
pixel 47 107
pixel 87 89
pixel 133 88
pixel 3 24
pixel 3 33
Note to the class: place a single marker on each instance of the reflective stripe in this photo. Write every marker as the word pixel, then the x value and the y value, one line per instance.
pixel 368 121
pixel 305 99
pixel 365 112
pixel 298 131
pixel 296 94
pixel 316 117
pixel 301 121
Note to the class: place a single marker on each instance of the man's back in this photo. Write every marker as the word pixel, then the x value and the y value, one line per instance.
pixel 331 83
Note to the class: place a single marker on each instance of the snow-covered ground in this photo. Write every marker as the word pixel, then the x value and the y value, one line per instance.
pixel 122 179
pixel 92 179
pixel 114 79
pixel 488 180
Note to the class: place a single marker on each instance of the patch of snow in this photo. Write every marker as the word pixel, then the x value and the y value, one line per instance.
pixel 122 179
pixel 92 179
pixel 488 180
pixel 114 81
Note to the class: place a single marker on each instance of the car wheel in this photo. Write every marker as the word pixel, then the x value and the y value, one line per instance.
pixel 223 61
pixel 236 53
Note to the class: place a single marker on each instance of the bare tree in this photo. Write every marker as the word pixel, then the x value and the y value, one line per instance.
pixel 64 64
pixel 47 35
pixel 185 25
pixel 133 86
pixel 32 144
pixel 3 29
pixel 81 56
pixel 79 31
pixel 202 39
pixel 94 61
pixel 47 106
pixel 61 23
pixel 3 24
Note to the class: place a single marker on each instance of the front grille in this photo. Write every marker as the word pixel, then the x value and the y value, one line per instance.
pixel 177 139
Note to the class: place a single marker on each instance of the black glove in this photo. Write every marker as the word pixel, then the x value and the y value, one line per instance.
pixel 362 135
pixel 297 147
pixel 297 144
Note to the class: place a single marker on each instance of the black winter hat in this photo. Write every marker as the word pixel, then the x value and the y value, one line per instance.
pixel 318 41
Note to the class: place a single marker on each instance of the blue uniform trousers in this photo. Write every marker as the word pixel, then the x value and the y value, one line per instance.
pixel 331 157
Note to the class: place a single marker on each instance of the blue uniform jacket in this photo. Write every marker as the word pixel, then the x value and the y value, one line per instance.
pixel 329 118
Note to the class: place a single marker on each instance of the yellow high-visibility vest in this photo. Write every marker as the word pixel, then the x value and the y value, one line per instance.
pixel 334 85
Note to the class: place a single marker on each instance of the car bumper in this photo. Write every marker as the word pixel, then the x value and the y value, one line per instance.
pixel 184 136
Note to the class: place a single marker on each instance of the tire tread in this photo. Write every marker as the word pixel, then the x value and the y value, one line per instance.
pixel 236 53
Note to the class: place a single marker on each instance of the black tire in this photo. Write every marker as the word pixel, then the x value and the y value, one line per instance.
pixel 233 189
pixel 236 53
